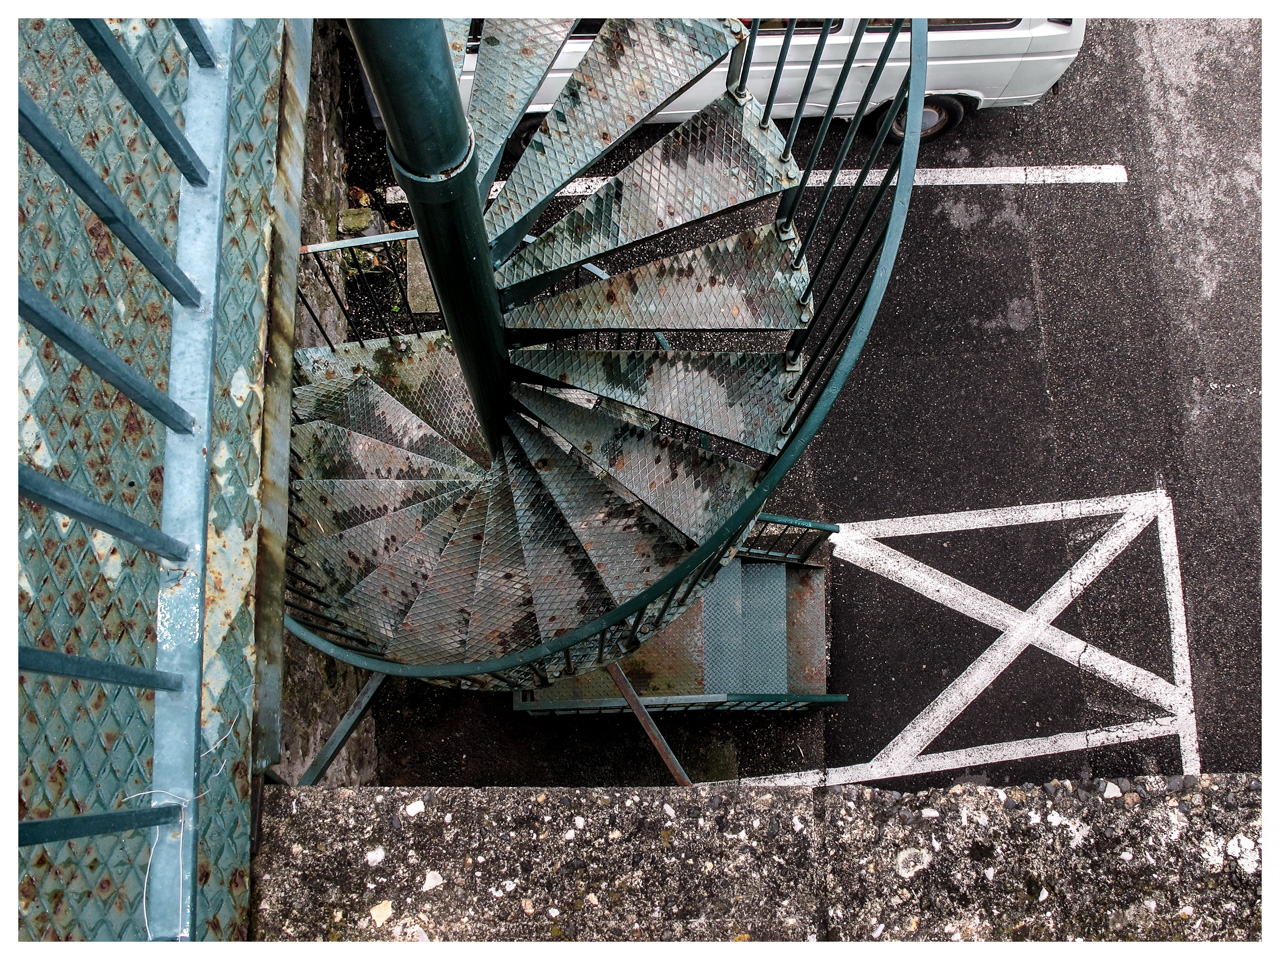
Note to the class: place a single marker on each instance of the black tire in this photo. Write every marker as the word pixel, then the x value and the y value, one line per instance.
pixel 523 133
pixel 942 114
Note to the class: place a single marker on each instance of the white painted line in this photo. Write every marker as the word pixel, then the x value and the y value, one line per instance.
pixel 925 177
pixel 1188 738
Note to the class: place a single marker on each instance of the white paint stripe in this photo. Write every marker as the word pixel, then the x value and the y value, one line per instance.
pixel 925 177
pixel 1002 516
pixel 1188 738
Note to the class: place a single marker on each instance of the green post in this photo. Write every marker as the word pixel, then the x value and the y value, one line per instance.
pixel 432 152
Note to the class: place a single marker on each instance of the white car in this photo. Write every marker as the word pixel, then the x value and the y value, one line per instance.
pixel 973 64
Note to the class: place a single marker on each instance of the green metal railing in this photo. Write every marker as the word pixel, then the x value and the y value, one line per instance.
pixel 827 350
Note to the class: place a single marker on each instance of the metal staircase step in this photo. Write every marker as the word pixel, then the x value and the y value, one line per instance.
pixel 743 282
pixel 503 618
pixel 694 490
pixel 515 57
pixel 722 623
pixel 737 396
pixel 363 407
pixel 326 451
pixel 328 506
pixel 764 628
pixel 457 29
pixel 631 548
pixel 567 591
pixel 377 604
pixel 631 70
pixel 717 159
pixel 340 562
pixel 435 628
pixel 420 372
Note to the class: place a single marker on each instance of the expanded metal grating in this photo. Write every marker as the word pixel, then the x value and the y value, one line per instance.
pixel 722 617
pixel 764 626
pixel 324 451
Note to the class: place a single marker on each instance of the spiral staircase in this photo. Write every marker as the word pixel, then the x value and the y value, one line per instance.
pixel 535 491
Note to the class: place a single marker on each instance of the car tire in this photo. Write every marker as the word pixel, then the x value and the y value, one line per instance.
pixel 523 133
pixel 942 114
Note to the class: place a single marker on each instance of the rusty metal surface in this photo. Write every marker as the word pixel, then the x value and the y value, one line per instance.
pixel 456 30
pixel 420 372
pixel 744 282
pixel 806 630
pixel 333 505
pixel 631 548
pixel 631 69
pixel 365 408
pixel 694 490
pixel 717 159
pixel 738 396
pixel 325 451
pixel 515 56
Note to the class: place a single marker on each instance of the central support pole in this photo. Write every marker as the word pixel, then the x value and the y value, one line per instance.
pixel 410 70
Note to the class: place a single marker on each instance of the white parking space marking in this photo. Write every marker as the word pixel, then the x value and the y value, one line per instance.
pixel 925 177
pixel 859 544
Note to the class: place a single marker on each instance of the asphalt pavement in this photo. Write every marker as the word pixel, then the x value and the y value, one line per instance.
pixel 1037 344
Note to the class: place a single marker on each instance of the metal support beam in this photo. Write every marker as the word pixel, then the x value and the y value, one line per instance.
pixel 59 829
pixel 91 668
pixel 341 732
pixel 655 735
pixel 432 151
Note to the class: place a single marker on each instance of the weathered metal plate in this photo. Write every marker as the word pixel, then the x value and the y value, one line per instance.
pixel 364 407
pixel 630 71
pixel 717 159
pixel 694 490
pixel 806 630
pixel 567 591
pixel 456 29
pixel 738 396
pixel 631 547
pixel 333 505
pixel 324 451
pixel 722 617
pixel 515 57
pixel 379 603
pixel 764 628
pixel 503 618
pixel 420 372
pixel 743 282
pixel 435 628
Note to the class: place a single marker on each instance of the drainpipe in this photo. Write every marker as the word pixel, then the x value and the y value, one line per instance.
pixel 410 69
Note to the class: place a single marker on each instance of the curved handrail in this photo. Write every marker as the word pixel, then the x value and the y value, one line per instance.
pixel 796 443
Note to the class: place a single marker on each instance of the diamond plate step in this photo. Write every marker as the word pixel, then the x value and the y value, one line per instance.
pixel 457 29
pixel 717 159
pixel 333 505
pixel 420 372
pixel 567 591
pixel 738 396
pixel 722 626
pixel 325 451
pixel 377 604
pixel 764 628
pixel 342 561
pixel 515 57
pixel 503 618
pixel 630 71
pixel 694 490
pixel 362 406
pixel 436 624
pixel 630 547
pixel 738 283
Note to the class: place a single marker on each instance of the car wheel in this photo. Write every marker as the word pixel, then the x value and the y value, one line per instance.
pixel 519 139
pixel 941 115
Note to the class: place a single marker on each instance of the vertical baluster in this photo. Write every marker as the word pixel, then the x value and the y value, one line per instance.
pixel 368 290
pixel 315 319
pixel 741 92
pixel 351 326
pixel 808 85
pixel 777 73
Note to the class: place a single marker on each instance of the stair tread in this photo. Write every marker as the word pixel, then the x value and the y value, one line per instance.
pixel 326 451
pixel 346 558
pixel 503 618
pixel 567 591
pixel 420 372
pixel 630 71
pixel 744 282
pixel 631 548
pixel 515 57
pixel 327 507
pixel 764 623
pixel 694 490
pixel 717 159
pixel 435 625
pixel 380 601
pixel 457 29
pixel 738 396
pixel 722 630
pixel 362 406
